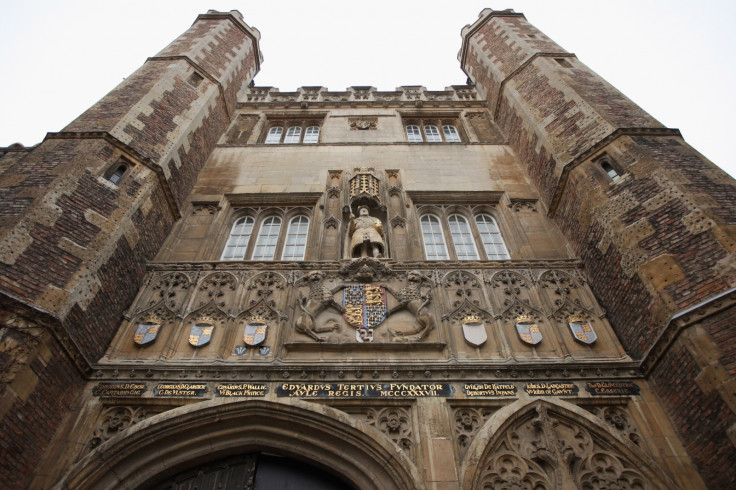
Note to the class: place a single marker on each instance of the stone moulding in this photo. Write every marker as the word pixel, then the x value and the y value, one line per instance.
pixel 363 347
pixel 682 321
pixel 450 371
pixel 195 434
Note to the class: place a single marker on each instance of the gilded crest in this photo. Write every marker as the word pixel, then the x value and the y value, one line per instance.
pixel 582 330
pixel 201 332
pixel 474 330
pixel 147 331
pixel 255 331
pixel 365 308
pixel 528 330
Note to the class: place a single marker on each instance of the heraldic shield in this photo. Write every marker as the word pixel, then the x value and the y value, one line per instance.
pixel 255 331
pixel 528 330
pixel 365 307
pixel 146 332
pixel 582 329
pixel 474 330
pixel 200 334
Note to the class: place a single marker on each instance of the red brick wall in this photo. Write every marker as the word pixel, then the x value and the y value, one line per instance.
pixel 29 424
pixel 76 246
pixel 701 419
pixel 553 113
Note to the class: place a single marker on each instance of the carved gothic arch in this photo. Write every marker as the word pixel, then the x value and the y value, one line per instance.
pixel 590 455
pixel 191 435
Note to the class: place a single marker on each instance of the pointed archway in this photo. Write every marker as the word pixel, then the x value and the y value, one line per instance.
pixel 555 445
pixel 171 442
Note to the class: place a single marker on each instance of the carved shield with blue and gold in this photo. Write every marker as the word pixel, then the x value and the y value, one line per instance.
pixel 146 332
pixel 200 334
pixel 582 330
pixel 365 308
pixel 255 331
pixel 528 330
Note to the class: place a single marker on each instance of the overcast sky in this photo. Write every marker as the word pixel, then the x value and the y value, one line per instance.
pixel 673 58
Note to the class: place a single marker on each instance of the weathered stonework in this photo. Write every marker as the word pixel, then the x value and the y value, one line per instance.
pixel 526 281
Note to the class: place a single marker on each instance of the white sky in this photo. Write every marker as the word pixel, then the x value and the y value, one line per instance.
pixel 673 58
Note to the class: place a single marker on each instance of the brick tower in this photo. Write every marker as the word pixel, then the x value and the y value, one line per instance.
pixel 86 209
pixel 658 245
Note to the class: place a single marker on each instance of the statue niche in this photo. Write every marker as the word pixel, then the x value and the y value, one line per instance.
pixel 366 235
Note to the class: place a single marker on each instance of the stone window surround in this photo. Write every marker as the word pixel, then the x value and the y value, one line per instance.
pixel 286 122
pixel 439 121
pixel 259 216
pixel 469 212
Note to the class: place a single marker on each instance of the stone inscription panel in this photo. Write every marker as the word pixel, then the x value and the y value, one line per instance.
pixel 119 389
pixel 551 389
pixel 612 388
pixel 489 389
pixel 367 390
pixel 241 389
pixel 180 389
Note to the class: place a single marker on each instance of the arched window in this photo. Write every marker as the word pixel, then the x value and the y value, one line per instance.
pixel 312 134
pixel 451 134
pixel 117 174
pixel 413 134
pixel 462 238
pixel 491 237
pixel 274 135
pixel 267 237
pixel 434 238
pixel 296 239
pixel 238 241
pixel 432 133
pixel 293 134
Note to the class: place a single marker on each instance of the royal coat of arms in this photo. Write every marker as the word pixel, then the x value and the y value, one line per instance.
pixel 528 330
pixel 201 333
pixel 365 308
pixel 146 331
pixel 582 329
pixel 255 331
pixel 474 330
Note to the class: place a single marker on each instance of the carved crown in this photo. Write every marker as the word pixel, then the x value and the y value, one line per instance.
pixel 206 319
pixel 152 319
pixel 576 319
pixel 258 319
pixel 524 319
pixel 472 319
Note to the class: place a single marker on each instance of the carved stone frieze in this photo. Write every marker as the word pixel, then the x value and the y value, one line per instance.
pixel 318 299
pixel 518 205
pixel 395 422
pixel 363 124
pixel 364 94
pixel 547 450
pixel 365 269
pixel 467 422
pixel 619 421
pixel 170 289
pixel 262 287
pixel 203 208
pixel 414 298
pixel 218 288
pixel 114 420
pixel 462 286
